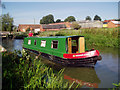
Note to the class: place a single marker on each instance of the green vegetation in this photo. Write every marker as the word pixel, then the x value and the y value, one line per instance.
pixel 76 26
pixel 117 86
pixel 47 19
pixel 29 72
pixel 88 18
pixel 70 19
pixel 7 22
pixel 94 37
pixel 97 18
pixel 58 20
pixel 20 35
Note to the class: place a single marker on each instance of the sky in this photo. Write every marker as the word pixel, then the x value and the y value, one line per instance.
pixel 30 12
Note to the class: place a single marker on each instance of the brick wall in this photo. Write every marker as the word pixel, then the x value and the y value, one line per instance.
pixel 111 25
pixel 24 27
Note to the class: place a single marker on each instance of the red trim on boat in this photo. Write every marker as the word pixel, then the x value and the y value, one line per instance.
pixel 86 54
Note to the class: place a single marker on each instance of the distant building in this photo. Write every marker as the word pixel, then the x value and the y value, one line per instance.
pixel 90 24
pixel 44 27
pixel 105 23
pixel 113 24
pixel 24 27
pixel 55 26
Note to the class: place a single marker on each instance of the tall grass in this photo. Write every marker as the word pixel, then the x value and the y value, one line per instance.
pixel 95 36
pixel 28 72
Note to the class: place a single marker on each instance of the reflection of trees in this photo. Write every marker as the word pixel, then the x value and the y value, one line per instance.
pixel 87 76
pixel 8 44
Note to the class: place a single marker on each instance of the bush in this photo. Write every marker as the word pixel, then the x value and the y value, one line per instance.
pixel 28 72
pixel 76 26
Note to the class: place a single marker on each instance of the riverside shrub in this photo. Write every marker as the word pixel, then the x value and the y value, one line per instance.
pixel 28 72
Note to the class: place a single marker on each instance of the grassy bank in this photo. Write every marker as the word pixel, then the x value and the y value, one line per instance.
pixel 107 37
pixel 28 72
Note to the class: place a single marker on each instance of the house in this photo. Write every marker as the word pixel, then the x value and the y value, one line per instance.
pixel 105 23
pixel 44 27
pixel 24 27
pixel 90 24
pixel 113 24
pixel 55 26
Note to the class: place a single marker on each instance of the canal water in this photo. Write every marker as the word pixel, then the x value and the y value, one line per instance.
pixel 102 75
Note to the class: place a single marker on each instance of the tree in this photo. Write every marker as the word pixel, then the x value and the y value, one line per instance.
pixel 2 6
pixel 47 19
pixel 7 22
pixel 76 26
pixel 58 20
pixel 70 19
pixel 88 18
pixel 97 18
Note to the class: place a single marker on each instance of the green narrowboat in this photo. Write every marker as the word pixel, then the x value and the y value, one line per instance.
pixel 67 50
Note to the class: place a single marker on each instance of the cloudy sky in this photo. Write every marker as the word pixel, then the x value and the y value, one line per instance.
pixel 27 11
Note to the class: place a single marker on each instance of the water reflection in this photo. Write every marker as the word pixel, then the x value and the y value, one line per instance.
pixel 86 76
pixel 12 44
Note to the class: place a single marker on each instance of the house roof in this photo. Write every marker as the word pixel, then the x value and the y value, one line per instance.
pixel 116 22
pixel 58 26
pixel 108 20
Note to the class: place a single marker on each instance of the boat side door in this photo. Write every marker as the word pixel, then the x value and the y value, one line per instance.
pixel 69 46
pixel 81 44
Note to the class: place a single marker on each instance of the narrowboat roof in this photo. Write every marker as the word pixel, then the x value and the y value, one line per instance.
pixel 56 37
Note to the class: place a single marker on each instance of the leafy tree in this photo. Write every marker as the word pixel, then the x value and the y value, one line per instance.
pixel 97 18
pixel 7 22
pixel 70 19
pixel 76 26
pixel 88 18
pixel 58 20
pixel 28 29
pixel 47 19
pixel 2 6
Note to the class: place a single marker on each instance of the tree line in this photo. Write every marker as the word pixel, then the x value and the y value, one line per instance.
pixel 7 21
pixel 50 19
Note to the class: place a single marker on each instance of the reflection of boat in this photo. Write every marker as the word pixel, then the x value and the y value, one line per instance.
pixel 87 76
pixel 84 76
pixel 82 83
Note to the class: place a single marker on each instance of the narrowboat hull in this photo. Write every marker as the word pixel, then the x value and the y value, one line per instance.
pixel 89 62
pixel 78 59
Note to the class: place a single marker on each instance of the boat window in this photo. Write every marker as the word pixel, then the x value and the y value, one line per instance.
pixel 54 44
pixel 43 43
pixel 35 42
pixel 74 45
pixel 29 41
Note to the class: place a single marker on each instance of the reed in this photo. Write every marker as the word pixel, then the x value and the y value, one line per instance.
pixel 29 72
pixel 107 37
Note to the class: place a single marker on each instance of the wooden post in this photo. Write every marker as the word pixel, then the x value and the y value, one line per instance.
pixel 81 44
pixel 69 46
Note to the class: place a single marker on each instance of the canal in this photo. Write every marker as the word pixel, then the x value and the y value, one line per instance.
pixel 102 76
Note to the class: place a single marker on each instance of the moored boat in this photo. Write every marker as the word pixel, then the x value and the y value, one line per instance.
pixel 67 50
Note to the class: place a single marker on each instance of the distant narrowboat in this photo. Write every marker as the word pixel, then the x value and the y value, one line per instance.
pixel 67 50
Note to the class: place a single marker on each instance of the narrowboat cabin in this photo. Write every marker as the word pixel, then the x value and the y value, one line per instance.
pixel 67 50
